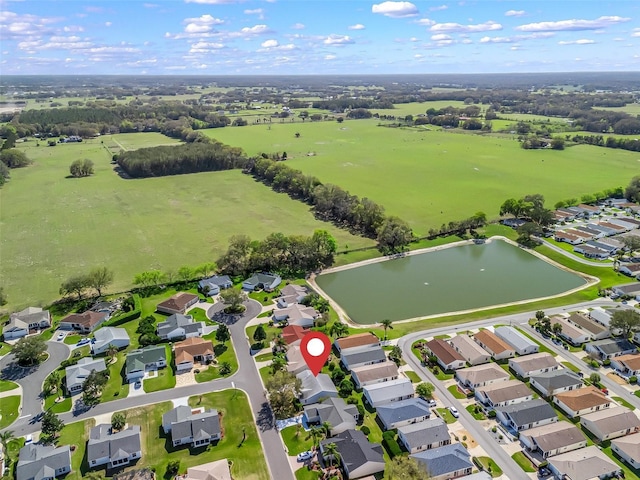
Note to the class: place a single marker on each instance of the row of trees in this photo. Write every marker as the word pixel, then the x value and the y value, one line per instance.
pixel 81 168
pixel 535 142
pixel 632 144
pixel 11 158
pixel 529 207
pixel 479 219
pixel 280 253
pixel 186 273
pixel 97 278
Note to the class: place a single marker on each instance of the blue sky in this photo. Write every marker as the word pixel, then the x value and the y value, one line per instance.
pixel 217 37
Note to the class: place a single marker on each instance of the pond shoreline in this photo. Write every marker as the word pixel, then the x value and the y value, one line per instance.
pixel 342 315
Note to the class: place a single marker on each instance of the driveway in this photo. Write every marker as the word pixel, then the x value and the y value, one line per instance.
pixel 32 378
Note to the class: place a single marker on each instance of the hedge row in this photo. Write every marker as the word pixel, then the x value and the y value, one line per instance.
pixel 127 316
pixel 390 444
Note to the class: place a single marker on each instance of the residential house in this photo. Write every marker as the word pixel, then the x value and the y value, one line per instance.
pixel 569 215
pixel 611 423
pixel 561 236
pixel 590 210
pixel 580 234
pixel 391 391
pixel 482 475
pixel 295 361
pixel 114 449
pixel 628 448
pixel 553 439
pixel 192 427
pixel 315 388
pixel 498 348
pixel 535 364
pixel 583 464
pixel 631 269
pixel 603 316
pixel 596 330
pixel 570 332
pixel 293 333
pixel 85 322
pixel 425 435
pixel 218 470
pixel 356 342
pixel 405 412
pixel 612 347
pixel 191 350
pixel 78 373
pixel 291 294
pixel 633 221
pixel 43 462
pixel 357 456
pixel 473 353
pixel 602 245
pixel 503 393
pixel 211 286
pixel 109 337
pixel 630 289
pixel 376 373
pixel 177 303
pixel 612 226
pixel 556 381
pixel 448 358
pixel 614 242
pixel 590 231
pixel 481 375
pixel 519 341
pixel 581 401
pixel 31 319
pixel 265 281
pixel 601 228
pixel 622 222
pixel 361 357
pixel 526 415
pixel 145 359
pixel 335 411
pixel 591 251
pixel 627 365
pixel 179 327
pixel 444 463
pixel 296 314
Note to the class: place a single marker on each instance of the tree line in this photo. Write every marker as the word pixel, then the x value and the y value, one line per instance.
pixel 11 158
pixel 632 144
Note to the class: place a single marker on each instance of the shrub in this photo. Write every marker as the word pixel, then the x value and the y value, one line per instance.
pixel 633 379
pixel 606 363
pixel 360 408
pixel 390 444
pixel 492 414
pixel 365 430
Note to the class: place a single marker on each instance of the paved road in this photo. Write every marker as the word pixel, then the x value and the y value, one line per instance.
pixel 575 257
pixel 246 379
pixel 495 451
pixel 31 379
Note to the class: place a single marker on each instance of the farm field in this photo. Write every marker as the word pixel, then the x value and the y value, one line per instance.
pixel 133 141
pixel 630 108
pixel 414 108
pixel 54 227
pixel 430 177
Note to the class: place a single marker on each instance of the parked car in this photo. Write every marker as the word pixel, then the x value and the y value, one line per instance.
pixel 304 456
pixel 28 439
pixel 432 403
pixel 60 336
pixel 605 391
pixel 454 412
pixel 137 385
pixel 84 341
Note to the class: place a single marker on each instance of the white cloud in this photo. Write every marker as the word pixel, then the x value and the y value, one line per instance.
pixel 497 40
pixel 255 30
pixel 573 24
pixel 205 47
pixel 357 26
pixel 334 39
pixel 107 24
pixel 418 55
pixel 582 41
pixel 438 8
pixel 517 38
pixel 395 9
pixel 195 28
pixel 14 26
pixel 269 44
pixel 204 20
pixel 636 32
pixel 456 27
pixel 330 57
pixel 297 26
pixel 150 5
pixel 256 11
pixel 414 39
pixel 515 13
pixel 425 22
pixel 439 37
pixel 212 2
pixel 467 41
pixel 73 28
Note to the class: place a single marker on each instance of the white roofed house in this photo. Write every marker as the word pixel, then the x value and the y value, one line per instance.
pixel 296 314
pixel 265 281
pixel 391 391
pixel 556 381
pixel 473 353
pixel 179 327
pixel 570 332
pixel 315 389
pixel 291 294
pixel 211 286
pixel 432 433
pixel 628 448
pixel 611 423
pixel 583 464
pixel 21 323
pixel 503 393
pixel 519 341
pixel 534 364
pixel 106 337
pixel 481 375
pixel 78 373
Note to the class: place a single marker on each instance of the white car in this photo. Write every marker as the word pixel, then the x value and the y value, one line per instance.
pixel 454 412
pixel 304 456
pixel 60 336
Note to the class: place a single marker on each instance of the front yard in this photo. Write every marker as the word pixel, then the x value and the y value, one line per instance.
pixel 76 434
pixel 224 353
pixel 116 386
pixel 9 410
pixel 296 439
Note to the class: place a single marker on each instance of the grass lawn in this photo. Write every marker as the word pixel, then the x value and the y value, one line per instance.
pixel 77 434
pixel 133 141
pixel 265 373
pixel 296 439
pixel 13 450
pixel 357 153
pixel 199 315
pixel 265 298
pixel 6 385
pixel 571 367
pixel 9 410
pixel 445 414
pixel 116 387
pixel 224 353
pixel 264 357
pixel 490 466
pixel 628 471
pixel 453 390
pixel 62 406
pixel 623 402
pixel 4 348
pixel 164 379
pixel 85 219
pixel 525 464
pixel 305 474
pixel 478 416
pixel 72 338
pixel 413 376
pixel 272 332
pixel 443 376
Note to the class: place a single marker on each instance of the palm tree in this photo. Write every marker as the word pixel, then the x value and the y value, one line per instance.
pixel 326 426
pixel 339 329
pixel 331 451
pixel 316 433
pixel 112 351
pixel 386 323
pixel 5 438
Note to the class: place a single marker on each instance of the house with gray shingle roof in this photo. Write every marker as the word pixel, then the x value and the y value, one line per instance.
pixel 518 340
pixel 108 336
pixel 179 327
pixel 114 449
pixel 583 464
pixel 144 359
pixel 336 411
pixel 450 461
pixel 556 381
pixel 193 427
pixel 42 462
pixel 266 281
pixel 553 439
pixel 362 357
pixel 29 319
pixel 611 347
pixel 211 286
pixel 78 373
pixel 357 456
pixel 425 435
pixel 391 391
pixel 315 388
pixel 405 412
pixel 628 448
pixel 525 415
pixel 611 423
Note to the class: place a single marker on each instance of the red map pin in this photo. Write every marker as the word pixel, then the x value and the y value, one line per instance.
pixel 315 348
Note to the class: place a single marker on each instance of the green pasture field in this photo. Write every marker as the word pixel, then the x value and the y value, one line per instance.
pixel 54 227
pixel 432 177
pixel 630 108
pixel 415 108
pixel 134 141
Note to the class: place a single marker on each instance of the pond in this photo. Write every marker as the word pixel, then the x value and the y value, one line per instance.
pixel 447 280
